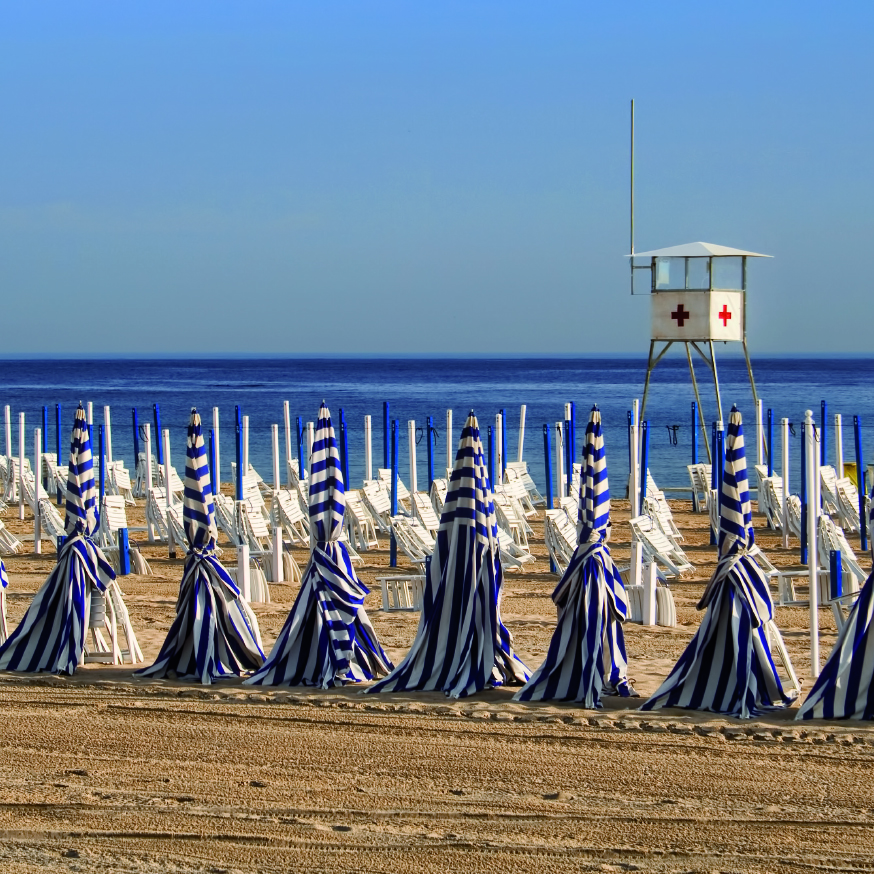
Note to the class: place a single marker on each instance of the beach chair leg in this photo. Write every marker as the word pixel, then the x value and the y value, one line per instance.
pixel 775 639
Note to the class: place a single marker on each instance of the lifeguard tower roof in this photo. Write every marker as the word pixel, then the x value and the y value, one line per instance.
pixel 697 250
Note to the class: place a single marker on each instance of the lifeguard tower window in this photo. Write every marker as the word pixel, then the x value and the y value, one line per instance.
pixel 699 274
pixel 728 273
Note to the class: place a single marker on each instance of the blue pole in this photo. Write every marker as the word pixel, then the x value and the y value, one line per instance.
pixel 547 466
pixel 45 429
pixel 803 491
pixel 860 479
pixel 385 435
pixel 714 473
pixel 393 545
pixel 239 478
pixel 644 462
pixel 102 480
pixel 568 456
pixel 430 430
pixel 628 434
pixel 136 424
pixel 301 462
pixel 491 457
pixel 344 439
pixel 720 445
pixel 159 453
pixel 770 442
pixel 58 435
pixel 694 432
pixel 212 476
pixel 573 440
pixel 123 553
pixel 503 446
pixel 823 434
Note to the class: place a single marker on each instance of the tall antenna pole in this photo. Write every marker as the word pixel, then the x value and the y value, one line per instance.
pixel 631 260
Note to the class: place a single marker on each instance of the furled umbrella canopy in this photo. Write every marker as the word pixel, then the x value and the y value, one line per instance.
pixel 51 636
pixel 327 639
pixel 586 657
pixel 215 633
pixel 728 667
pixel 461 646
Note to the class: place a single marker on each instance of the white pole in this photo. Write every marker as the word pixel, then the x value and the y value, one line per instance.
pixel 812 513
pixel 650 581
pixel 522 412
pixel 243 581
pixel 37 446
pixel 784 439
pixel 245 470
pixel 450 448
pixel 634 480
pixel 21 460
pixel 286 415
pixel 311 438
pixel 8 414
pixel 839 446
pixel 636 570
pixel 107 436
pixel 499 448
pixel 368 449
pixel 277 528
pixel 559 460
pixel 90 414
pixel 218 466
pixel 168 492
pixel 411 439
pixel 760 433
pixel 147 440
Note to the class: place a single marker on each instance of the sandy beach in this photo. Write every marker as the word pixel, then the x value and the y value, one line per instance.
pixel 106 772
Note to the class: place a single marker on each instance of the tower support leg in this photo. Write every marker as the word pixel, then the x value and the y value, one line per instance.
pixel 705 441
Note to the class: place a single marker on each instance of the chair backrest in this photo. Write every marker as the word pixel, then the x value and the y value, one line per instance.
pixel 385 477
pixel 425 511
pixel 114 512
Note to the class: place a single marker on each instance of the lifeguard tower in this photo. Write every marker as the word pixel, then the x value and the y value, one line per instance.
pixel 698 294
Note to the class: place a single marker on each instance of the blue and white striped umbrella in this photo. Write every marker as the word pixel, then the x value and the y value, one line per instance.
pixel 327 639
pixel 462 647
pixel 51 636
pixel 215 633
pixel 728 667
pixel 4 582
pixel 590 600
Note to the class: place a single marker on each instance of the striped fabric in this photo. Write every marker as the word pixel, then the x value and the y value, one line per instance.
pixel 461 646
pixel 590 600
pixel 215 633
pixel 844 689
pixel 327 639
pixel 728 667
pixel 51 635
pixel 4 582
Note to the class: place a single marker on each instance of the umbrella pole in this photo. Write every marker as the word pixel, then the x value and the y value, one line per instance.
pixel 414 480
pixel 218 461
pixel 522 411
pixel 839 446
pixel 21 459
pixel 449 455
pixel 277 528
pixel 37 443
pixel 286 416
pixel 243 547
pixel 368 448
pixel 168 493
pixel 393 544
pixel 59 496
pixel 784 435
pixel 811 460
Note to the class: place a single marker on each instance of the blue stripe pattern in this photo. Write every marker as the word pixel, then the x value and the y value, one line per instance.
pixel 461 646
pixel 51 635
pixel 590 600
pixel 327 639
pixel 728 667
pixel 215 633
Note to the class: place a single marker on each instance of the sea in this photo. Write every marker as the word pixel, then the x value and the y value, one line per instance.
pixel 417 388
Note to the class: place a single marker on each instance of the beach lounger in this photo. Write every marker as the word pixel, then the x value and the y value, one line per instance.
pixel 378 502
pixel 9 543
pixel 658 548
pixel 666 610
pixel 520 469
pixel 360 522
pixel 699 478
pixel 288 514
pixel 660 511
pixel 156 518
pixel 515 486
pixel 424 512
pixel 438 495
pixel 118 481
pixel 561 538
pixel 403 492
pixel 140 485
pixel 413 539
pixel 402 593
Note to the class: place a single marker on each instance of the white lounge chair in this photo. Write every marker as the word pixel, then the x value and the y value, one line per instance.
pixel 438 495
pixel 377 501
pixel 288 514
pixel 699 478
pixel 658 548
pixel 403 491
pixel 9 543
pixel 118 481
pixel 424 512
pixel 561 538
pixel 520 469
pixel 402 593
pixel 659 509
pixel 360 522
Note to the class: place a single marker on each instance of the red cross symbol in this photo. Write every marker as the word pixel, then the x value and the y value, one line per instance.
pixel 680 315
pixel 725 315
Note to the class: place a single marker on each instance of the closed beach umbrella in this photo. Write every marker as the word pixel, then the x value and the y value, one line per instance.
pixel 51 636
pixel 461 646
pixel 4 582
pixel 215 633
pixel 586 657
pixel 728 667
pixel 327 639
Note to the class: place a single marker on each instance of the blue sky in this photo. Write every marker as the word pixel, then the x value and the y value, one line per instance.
pixel 408 177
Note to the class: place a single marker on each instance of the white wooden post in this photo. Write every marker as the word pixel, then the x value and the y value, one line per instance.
pixel 499 448
pixel 650 581
pixel 8 414
pixel 450 448
pixel 784 439
pixel 311 438
pixel 37 448
pixel 147 442
pixel 760 433
pixel 414 480
pixel 368 448
pixel 216 444
pixel 812 460
pixel 243 580
pixel 839 446
pixel 245 469
pixel 107 436
pixel 634 478
pixel 636 569
pixel 522 411
pixel 21 459
pixel 559 461
pixel 168 492
pixel 286 415
pixel 90 414
pixel 277 528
